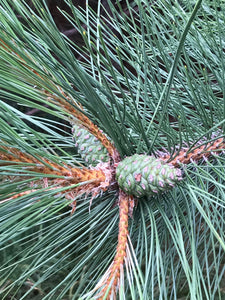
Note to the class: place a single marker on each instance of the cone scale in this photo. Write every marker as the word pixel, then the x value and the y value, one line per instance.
pixel 143 175
pixel 89 147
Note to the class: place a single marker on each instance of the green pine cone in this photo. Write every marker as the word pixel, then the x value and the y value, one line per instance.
pixel 89 147
pixel 143 175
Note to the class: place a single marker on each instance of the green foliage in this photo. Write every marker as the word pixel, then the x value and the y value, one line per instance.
pixel 151 78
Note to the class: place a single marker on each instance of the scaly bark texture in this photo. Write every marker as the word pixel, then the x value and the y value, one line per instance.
pixel 186 156
pixel 95 180
pixel 115 269
pixel 13 156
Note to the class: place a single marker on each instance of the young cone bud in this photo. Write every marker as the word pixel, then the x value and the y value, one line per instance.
pixel 143 175
pixel 89 147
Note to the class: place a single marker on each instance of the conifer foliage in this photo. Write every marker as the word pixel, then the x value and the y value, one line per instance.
pixel 111 151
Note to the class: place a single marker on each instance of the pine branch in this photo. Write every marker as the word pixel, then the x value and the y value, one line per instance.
pixel 201 151
pixel 95 180
pixel 110 281
pixel 64 103
pixel 147 91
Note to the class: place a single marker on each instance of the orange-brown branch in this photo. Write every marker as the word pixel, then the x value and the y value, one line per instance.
pixel 13 156
pixel 84 121
pixel 95 180
pixel 117 265
pixel 69 108
pixel 204 151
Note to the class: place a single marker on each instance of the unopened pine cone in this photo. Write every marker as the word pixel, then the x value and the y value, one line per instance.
pixel 143 175
pixel 89 147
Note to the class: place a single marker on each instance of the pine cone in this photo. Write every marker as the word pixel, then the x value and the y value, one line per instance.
pixel 143 175
pixel 89 147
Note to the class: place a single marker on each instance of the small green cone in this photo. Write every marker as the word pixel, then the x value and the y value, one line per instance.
pixel 143 175
pixel 89 147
